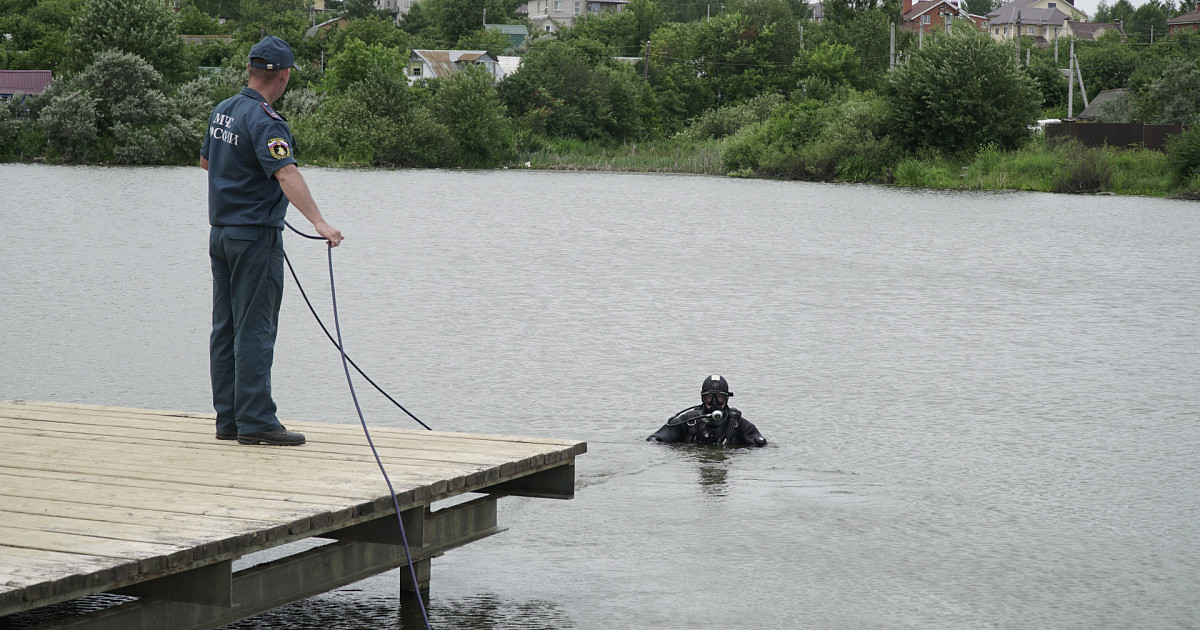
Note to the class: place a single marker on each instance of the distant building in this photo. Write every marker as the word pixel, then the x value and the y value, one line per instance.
pixel 552 16
pixel 1185 22
pixel 516 34
pixel 1042 19
pixel 933 15
pixel 32 82
pixel 439 64
pixel 1089 31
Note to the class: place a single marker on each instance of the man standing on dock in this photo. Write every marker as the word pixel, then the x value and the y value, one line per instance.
pixel 252 177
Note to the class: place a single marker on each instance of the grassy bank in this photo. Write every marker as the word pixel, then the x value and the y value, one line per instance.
pixel 1039 166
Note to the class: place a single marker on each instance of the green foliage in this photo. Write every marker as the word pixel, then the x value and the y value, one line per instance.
pixel 728 120
pixel 831 62
pixel 38 30
pixel 588 95
pixel 146 28
pixel 357 61
pixel 1183 154
pixel 1106 66
pixel 962 91
pixel 453 19
pixel 1085 170
pixel 371 30
pixel 845 138
pixel 1175 97
pixel 489 39
pixel 617 31
pixel 466 103
pixel 69 123
pixel 868 32
pixel 1148 20
pixel 116 110
pixel 377 121
pixel 20 138
pixel 193 21
pixel 359 9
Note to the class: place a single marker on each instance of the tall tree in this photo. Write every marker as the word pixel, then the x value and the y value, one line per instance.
pixel 961 91
pixel 146 28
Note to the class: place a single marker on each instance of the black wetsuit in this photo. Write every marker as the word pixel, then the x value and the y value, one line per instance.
pixel 689 426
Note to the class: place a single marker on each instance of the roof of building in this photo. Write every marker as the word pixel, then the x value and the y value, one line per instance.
pixel 445 62
pixel 1187 18
pixel 24 81
pixel 509 29
pixel 1094 105
pixel 922 8
pixel 1089 30
pixel 1008 14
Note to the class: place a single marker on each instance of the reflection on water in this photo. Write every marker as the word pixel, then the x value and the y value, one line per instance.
pixel 352 608
pixel 712 463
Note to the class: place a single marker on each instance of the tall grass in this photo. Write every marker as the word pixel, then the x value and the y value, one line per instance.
pixel 668 155
pixel 1039 166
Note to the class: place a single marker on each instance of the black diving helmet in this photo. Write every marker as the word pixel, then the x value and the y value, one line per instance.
pixel 714 393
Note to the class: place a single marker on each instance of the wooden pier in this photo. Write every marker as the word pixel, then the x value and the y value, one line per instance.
pixel 147 503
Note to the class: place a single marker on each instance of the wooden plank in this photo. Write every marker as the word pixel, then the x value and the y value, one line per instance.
pixel 232 525
pixel 490 452
pixel 99 415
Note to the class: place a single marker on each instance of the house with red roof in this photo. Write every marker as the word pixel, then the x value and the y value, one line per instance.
pixel 23 82
pixel 1185 22
pixel 930 15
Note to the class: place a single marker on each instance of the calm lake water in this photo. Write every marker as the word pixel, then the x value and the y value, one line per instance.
pixel 983 407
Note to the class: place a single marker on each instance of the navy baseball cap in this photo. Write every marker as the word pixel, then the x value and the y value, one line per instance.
pixel 274 53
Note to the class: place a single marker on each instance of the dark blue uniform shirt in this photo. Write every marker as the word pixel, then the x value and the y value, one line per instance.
pixel 246 143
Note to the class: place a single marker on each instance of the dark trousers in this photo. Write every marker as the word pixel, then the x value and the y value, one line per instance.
pixel 247 270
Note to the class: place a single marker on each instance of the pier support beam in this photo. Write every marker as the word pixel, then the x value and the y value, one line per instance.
pixel 359 552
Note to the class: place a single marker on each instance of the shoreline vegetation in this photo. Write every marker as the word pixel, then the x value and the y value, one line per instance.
pixel 757 90
pixel 1038 167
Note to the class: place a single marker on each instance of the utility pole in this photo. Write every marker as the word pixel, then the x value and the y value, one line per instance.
pixel 892 49
pixel 1071 83
pixel 1056 50
pixel 801 27
pixel 1017 36
pixel 646 65
pixel 1079 75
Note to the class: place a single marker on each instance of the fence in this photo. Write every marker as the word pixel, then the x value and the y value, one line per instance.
pixel 1115 134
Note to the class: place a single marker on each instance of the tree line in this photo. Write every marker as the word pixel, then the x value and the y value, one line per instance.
pixel 784 96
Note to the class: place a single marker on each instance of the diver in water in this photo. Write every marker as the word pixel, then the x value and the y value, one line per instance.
pixel 711 422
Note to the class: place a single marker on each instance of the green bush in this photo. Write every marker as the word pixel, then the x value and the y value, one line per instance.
pixel 843 139
pixel 961 91
pixel 1183 154
pixel 69 123
pixel 728 120
pixel 1085 170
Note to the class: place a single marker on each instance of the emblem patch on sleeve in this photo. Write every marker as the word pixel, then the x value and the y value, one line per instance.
pixel 279 148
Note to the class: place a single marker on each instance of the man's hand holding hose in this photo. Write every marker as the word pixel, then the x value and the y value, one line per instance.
pixel 296 189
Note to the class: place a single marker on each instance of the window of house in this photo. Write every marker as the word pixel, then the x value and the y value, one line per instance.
pixel 576 8
pixel 997 30
pixel 1031 30
pixel 925 19
pixel 1006 30
pixel 1051 5
pixel 558 5
pixel 416 71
